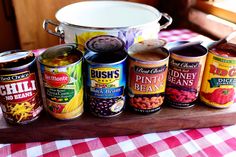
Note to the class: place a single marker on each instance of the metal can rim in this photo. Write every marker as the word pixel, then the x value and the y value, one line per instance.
pixel 152 62
pixel 22 66
pixel 51 66
pixel 99 36
pixel 191 57
pixel 218 55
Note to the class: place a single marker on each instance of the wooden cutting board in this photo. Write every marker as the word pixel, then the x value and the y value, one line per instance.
pixel 47 128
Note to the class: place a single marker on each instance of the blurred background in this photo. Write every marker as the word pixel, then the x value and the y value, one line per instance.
pixel 21 20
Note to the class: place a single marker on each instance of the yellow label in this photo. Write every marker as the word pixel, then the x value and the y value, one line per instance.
pixel 219 81
pixel 104 75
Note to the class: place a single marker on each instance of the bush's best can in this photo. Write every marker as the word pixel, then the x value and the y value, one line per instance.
pixel 184 75
pixel 219 79
pixel 147 67
pixel 106 75
pixel 61 68
pixel 20 98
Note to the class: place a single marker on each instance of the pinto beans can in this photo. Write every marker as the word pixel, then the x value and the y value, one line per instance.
pixel 219 79
pixel 184 75
pixel 106 75
pixel 148 65
pixel 20 98
pixel 61 68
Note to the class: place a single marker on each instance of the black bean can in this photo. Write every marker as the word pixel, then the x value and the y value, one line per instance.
pixel 106 75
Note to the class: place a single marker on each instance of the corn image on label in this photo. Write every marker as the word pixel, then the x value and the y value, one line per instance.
pixel 64 90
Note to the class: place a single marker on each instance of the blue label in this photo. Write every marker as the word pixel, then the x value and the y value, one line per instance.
pixel 106 81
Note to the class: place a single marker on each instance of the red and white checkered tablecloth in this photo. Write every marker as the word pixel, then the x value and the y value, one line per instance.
pixel 213 142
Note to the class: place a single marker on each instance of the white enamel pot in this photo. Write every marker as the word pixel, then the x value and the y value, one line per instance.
pixel 132 22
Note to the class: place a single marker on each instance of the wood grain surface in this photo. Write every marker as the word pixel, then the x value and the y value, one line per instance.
pixel 47 128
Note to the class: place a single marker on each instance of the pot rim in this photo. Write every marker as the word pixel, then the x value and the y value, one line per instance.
pixel 147 7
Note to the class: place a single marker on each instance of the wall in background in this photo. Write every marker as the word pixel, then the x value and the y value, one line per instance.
pixel 8 31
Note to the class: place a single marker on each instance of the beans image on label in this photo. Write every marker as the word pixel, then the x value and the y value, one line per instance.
pixel 106 107
pixel 147 102
pixel 181 95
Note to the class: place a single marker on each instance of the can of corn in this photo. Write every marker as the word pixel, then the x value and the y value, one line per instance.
pixel 61 68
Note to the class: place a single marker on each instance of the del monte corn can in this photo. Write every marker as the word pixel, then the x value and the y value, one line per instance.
pixel 219 79
pixel 106 72
pixel 20 98
pixel 61 68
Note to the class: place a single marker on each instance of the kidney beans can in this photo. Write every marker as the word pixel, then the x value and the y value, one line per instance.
pixel 20 97
pixel 184 75
pixel 106 71
pixel 148 65
pixel 61 68
pixel 219 79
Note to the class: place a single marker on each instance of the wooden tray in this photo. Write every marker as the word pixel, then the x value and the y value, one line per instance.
pixel 47 128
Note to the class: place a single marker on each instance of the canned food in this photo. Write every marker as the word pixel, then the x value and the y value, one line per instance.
pixel 20 98
pixel 148 65
pixel 106 71
pixel 61 68
pixel 219 79
pixel 185 75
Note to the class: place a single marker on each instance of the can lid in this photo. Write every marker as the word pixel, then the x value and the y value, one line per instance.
pixel 67 53
pixel 105 44
pixel 15 58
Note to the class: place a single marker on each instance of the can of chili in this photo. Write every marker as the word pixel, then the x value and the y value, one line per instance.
pixel 61 68
pixel 20 97
pixel 106 75
pixel 184 75
pixel 219 79
pixel 147 68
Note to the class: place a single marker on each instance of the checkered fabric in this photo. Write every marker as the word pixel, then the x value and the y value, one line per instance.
pixel 213 142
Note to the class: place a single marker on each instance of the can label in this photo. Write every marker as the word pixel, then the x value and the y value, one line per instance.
pixel 20 98
pixel 146 85
pixel 64 90
pixel 183 82
pixel 105 88
pixel 219 81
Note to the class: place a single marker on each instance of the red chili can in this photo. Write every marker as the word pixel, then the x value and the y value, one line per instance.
pixel 184 75
pixel 20 98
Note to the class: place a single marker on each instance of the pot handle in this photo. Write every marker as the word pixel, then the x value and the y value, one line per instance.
pixel 169 21
pixel 58 32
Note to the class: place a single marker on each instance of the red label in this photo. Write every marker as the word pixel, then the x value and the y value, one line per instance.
pixel 183 81
pixel 56 79
pixel 183 74
pixel 18 87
